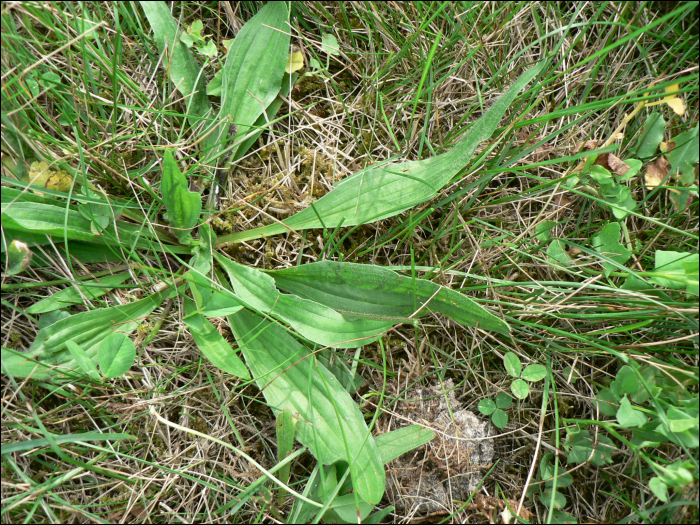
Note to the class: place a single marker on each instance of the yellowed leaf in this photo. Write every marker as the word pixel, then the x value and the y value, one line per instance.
pixel 667 146
pixel 295 61
pixel 673 101
pixel 41 175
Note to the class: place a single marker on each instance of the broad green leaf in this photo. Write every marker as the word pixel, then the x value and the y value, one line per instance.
pixel 374 292
pixel 78 293
pixel 84 362
pixel 255 64
pixel 608 403
pixel 520 389
pixel 184 70
pixel 314 321
pixel 487 406
pixel 262 123
pixel 542 230
pixel 534 372
pixel 183 206
pixel 49 355
pixel 331 423
pixel 344 510
pixel 212 300
pixel 651 137
pixel 59 221
pixel 512 363
pixel 685 155
pixel 116 355
pixel 19 257
pixel 557 253
pixel 203 249
pixel 582 448
pixel 618 196
pixel 676 270
pixel 626 382
pixel 607 242
pixel 559 499
pixel 679 421
pixel 378 192
pixel 393 444
pixel 46 219
pixel 503 400
pixel 212 344
pixel 51 318
pixel 659 488
pixel 329 44
pixel 499 418
pixel 628 416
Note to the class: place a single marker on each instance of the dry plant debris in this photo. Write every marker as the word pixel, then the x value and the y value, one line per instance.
pixel 428 479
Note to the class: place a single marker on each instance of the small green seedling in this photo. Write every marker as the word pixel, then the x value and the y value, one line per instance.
pixel 548 482
pixel 519 388
pixel 532 373
pixel 496 410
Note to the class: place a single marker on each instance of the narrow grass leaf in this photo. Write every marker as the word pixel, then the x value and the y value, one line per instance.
pixel 378 192
pixel 373 292
pixel 9 448
pixel 316 322
pixel 289 376
pixel 183 206
pixel 48 353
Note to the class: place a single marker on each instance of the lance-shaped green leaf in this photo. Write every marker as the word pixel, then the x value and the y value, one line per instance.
pixel 183 206
pixel 255 64
pixel 314 321
pixel 364 290
pixel 330 424
pixel 37 218
pixel 184 70
pixel 378 192
pixel 78 293
pixel 48 357
pixel 212 343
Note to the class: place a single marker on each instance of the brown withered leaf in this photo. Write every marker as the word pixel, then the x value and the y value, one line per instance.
pixel 656 172
pixel 587 146
pixel 602 160
pixel 617 166
pixel 542 153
